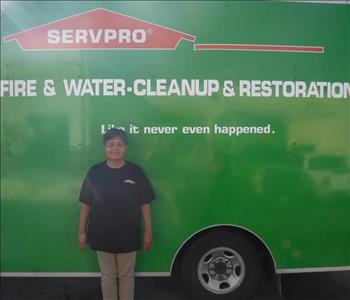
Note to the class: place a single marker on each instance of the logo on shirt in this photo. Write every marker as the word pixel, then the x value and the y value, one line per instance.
pixel 129 181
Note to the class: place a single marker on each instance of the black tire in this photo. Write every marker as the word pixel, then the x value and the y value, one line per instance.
pixel 215 242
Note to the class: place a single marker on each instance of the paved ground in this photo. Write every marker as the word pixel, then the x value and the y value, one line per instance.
pixel 316 286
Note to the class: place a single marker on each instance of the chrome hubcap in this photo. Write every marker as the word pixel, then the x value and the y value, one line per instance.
pixel 221 270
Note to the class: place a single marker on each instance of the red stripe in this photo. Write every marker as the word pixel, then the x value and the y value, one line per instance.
pixel 258 47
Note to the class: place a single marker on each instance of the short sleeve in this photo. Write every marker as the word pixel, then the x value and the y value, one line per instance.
pixel 86 190
pixel 147 194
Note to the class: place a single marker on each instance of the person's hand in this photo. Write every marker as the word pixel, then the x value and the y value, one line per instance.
pixel 148 240
pixel 82 240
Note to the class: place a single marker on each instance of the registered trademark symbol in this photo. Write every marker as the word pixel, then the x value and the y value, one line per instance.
pixel 149 31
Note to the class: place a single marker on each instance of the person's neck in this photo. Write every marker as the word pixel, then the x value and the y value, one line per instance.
pixel 115 164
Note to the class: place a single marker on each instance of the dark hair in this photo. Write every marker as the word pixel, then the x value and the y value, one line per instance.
pixel 115 133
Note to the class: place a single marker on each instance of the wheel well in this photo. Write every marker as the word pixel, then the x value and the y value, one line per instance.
pixel 266 258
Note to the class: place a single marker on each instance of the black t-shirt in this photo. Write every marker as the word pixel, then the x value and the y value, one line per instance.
pixel 115 197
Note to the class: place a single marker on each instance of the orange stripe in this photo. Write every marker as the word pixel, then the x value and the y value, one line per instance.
pixel 257 47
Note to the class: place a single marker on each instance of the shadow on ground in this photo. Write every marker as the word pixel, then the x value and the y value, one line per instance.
pixel 315 286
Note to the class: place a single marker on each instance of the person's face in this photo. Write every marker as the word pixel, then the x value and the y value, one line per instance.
pixel 115 149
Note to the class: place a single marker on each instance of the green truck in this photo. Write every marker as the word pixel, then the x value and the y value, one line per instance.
pixel 238 111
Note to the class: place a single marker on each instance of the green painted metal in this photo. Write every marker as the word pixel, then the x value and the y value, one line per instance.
pixel 291 188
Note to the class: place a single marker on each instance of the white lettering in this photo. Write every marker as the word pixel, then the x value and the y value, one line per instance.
pixel 244 88
pixel 53 36
pixel 96 36
pixel 93 87
pixel 300 89
pixel 288 89
pixel 266 90
pixel 81 36
pixel 110 34
pixel 139 87
pixel 196 130
pixel 277 84
pixel 18 88
pixel 159 130
pixel 337 90
pixel 124 36
pixel 67 36
pixel 312 91
pixel 256 88
pixel 139 36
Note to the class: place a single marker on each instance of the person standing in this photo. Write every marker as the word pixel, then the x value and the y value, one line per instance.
pixel 114 197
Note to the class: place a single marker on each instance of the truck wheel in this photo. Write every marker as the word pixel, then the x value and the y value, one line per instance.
pixel 221 265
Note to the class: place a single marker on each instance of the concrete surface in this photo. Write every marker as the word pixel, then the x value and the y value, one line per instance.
pixel 314 286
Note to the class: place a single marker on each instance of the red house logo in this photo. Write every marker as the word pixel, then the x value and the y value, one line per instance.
pixel 105 29
pixel 99 29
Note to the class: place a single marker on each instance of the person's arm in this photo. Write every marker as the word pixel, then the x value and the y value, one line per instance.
pixel 84 215
pixel 147 218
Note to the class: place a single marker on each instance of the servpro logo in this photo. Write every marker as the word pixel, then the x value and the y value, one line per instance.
pixel 100 36
pixel 99 29
pixel 105 29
